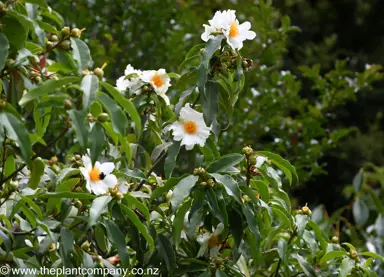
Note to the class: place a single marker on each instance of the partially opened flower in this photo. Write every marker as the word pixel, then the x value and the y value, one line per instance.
pixel 133 83
pixel 99 178
pixel 190 129
pixel 210 242
pixel 226 23
pixel 159 80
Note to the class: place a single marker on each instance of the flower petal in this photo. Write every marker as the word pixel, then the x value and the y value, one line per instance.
pixel 107 168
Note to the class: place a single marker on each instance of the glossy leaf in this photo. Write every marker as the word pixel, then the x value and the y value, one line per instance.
pixel 89 86
pixel 225 162
pixel 37 171
pixel 181 190
pixel 4 46
pixel 97 139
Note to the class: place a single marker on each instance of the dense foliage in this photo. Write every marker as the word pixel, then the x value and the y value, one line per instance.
pixel 140 174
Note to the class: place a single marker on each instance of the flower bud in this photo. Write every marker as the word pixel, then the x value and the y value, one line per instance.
pixel 2 104
pixel 66 45
pixel 306 210
pixel 299 212
pixel 86 246
pixel 169 195
pixel 199 171
pixel 85 72
pixel 65 31
pixel 54 159
pixel 245 64
pixel 52 247
pixel 14 185
pixel 99 72
pixel 103 117
pixel 335 239
pixel 211 183
pixel 76 33
pixel 119 196
pixel 78 157
pixel 34 60
pixel 254 171
pixel 253 159
pixel 38 79
pixel 9 62
pixel 353 254
pixel 49 45
pixel 245 198
pixel 145 88
pixel 54 38
pixel 67 104
pixel 247 150
pixel 90 118
pixel 78 204
pixel 203 184
pixel 202 51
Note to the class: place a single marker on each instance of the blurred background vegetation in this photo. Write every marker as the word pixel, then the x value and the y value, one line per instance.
pixel 298 101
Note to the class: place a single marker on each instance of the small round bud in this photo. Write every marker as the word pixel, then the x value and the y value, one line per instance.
pixel 199 171
pixel 145 88
pixel 245 64
pixel 9 62
pixel 212 265
pixel 210 182
pixel 85 72
pixel 67 104
pixel 119 196
pixel 86 246
pixel 299 212
pixel 353 253
pixel 38 79
pixel 66 45
pixel 169 195
pixel 53 77
pixel 54 159
pixel 90 118
pixel 76 33
pixel 49 45
pixel 78 189
pixel 54 38
pixel 23 71
pixel 245 198
pixel 253 159
pixel 99 72
pixel 247 151
pixel 34 60
pixel 50 162
pixel 202 51
pixel 2 104
pixel 306 210
pixel 203 184
pixel 78 157
pixel 52 247
pixel 14 185
pixel 335 239
pixel 103 117
pixel 65 31
pixel 78 204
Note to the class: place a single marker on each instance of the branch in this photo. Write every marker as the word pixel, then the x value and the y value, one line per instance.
pixel 3 158
pixel 142 182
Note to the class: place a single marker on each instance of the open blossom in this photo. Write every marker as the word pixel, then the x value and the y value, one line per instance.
pixel 225 22
pixel 209 242
pixel 190 129
pixel 133 84
pixel 159 80
pixel 98 178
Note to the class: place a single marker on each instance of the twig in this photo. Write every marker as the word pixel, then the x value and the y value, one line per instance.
pixel 142 182
pixel 3 158
pixel 225 240
pixel 197 99
pixel 24 233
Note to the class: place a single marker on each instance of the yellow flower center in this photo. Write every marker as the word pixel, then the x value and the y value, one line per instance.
pixel 213 240
pixel 190 127
pixel 94 174
pixel 234 30
pixel 157 81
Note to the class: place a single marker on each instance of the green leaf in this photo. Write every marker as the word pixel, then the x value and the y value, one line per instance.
pixel 99 206
pixel 117 237
pixel 101 238
pixel 378 203
pixel 66 246
pixel 210 102
pixel 46 87
pixel 332 255
pixel 358 181
pixel 181 190
pixel 346 267
pixel 211 46
pixel 128 106
pixel 230 185
pixel 134 203
pixel 47 27
pixel 78 119
pixel 305 266
pixel 170 160
pixel 4 46
pixel 118 118
pixel 140 226
pixel 301 223
pixel 225 162
pixel 72 195
pixel 165 250
pixel 60 67
pixel 164 189
pixel 178 222
pixel 319 233
pixel 81 54
pixel 360 211
pixel 215 207
pixel 97 139
pixel 17 132
pixel 37 171
pixel 373 255
pixel 38 2
pixel 34 48
pixel 89 86
pixel 284 165
pixel 252 222
pixel 15 32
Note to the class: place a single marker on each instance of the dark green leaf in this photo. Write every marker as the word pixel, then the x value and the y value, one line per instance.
pixel 4 46
pixel 99 206
pixel 181 190
pixel 230 185
pixel 15 32
pixel 17 132
pixel 178 222
pixel 81 54
pixel 117 237
pixel 164 248
pixel 38 2
pixel 332 255
pixel 346 267
pixel 89 86
pixel 97 139
pixel 358 181
pixel 37 171
pixel 225 162
pixel 210 102
pixel 164 189
pixel 46 87
pixel 73 195
pixel 305 266
pixel 66 246
pixel 81 126
pixel 170 160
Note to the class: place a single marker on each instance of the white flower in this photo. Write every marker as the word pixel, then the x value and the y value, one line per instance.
pixel 209 242
pixel 98 178
pixel 159 80
pixel 133 84
pixel 260 161
pixel 190 129
pixel 226 23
